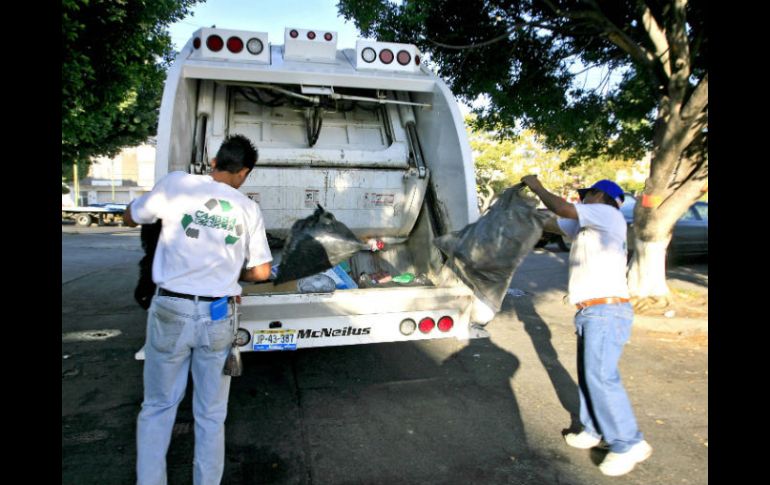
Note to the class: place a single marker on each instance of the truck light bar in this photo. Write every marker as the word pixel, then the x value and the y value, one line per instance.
pixel 211 43
pixel 387 56
pixel 310 45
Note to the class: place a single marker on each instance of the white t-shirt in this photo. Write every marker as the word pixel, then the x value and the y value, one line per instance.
pixel 210 232
pixel 597 259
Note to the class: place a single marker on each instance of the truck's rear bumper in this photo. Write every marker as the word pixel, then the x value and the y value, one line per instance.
pixel 354 317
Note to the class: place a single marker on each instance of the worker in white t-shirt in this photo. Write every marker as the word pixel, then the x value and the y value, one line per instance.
pixel 212 235
pixel 598 288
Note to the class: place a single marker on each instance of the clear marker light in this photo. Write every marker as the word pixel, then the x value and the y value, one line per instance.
pixel 254 46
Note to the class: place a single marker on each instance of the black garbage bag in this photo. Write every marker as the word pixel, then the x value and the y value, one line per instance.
pixel 485 254
pixel 315 244
pixel 145 287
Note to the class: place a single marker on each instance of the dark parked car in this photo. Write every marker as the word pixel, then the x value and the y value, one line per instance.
pixel 691 231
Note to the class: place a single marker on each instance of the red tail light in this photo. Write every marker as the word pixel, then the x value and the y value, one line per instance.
pixel 445 324
pixel 311 35
pixel 293 34
pixel 215 43
pixel 197 43
pixel 417 60
pixel 328 36
pixel 234 45
pixel 386 56
pixel 403 58
pixel 426 325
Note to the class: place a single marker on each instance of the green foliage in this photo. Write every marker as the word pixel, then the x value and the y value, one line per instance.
pixel 68 171
pixel 522 55
pixel 526 154
pixel 114 57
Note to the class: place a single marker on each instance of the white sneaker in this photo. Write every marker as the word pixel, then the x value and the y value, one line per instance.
pixel 581 440
pixel 615 464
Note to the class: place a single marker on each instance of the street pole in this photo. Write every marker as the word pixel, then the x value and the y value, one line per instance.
pixel 76 183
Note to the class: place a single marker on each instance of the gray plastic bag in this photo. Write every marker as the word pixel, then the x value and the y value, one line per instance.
pixel 484 254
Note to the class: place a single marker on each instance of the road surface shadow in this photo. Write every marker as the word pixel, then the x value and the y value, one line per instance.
pixel 538 330
pixel 377 414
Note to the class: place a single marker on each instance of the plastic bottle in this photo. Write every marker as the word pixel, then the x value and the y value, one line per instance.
pixel 404 278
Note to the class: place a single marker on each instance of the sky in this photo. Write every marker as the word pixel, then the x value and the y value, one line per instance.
pixel 271 16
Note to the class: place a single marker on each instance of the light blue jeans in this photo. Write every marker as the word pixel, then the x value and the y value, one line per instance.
pixel 605 410
pixel 181 336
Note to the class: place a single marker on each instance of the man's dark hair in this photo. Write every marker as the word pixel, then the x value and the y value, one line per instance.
pixel 236 153
pixel 606 199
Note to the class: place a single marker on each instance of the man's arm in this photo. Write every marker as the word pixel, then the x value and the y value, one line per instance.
pixel 261 272
pixel 127 219
pixel 555 204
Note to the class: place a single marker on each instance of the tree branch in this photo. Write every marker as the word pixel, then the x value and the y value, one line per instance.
pixel 695 129
pixel 614 33
pixel 507 34
pixel 680 53
pixel 699 99
pixel 658 39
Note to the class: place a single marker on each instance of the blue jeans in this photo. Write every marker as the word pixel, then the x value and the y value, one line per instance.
pixel 605 410
pixel 181 336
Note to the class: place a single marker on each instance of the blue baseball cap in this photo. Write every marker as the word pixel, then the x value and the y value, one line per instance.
pixel 608 187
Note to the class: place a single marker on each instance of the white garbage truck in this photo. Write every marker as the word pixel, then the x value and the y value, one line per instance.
pixel 370 134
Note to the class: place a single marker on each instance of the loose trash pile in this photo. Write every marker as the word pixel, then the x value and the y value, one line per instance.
pixel 483 254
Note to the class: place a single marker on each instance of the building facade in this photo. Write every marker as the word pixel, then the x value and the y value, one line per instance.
pixel 119 179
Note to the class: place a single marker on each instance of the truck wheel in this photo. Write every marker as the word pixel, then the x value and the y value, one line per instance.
pixel 83 220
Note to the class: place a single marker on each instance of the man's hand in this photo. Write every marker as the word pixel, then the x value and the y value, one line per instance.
pixel 532 182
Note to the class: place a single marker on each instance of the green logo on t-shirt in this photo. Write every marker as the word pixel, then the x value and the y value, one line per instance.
pixel 209 217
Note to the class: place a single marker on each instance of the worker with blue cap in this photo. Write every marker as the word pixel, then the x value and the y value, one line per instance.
pixel 599 290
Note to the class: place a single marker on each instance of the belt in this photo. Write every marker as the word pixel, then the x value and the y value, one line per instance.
pixel 163 292
pixel 601 301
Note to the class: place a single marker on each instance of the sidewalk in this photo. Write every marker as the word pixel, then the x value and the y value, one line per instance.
pixel 543 274
pixel 681 326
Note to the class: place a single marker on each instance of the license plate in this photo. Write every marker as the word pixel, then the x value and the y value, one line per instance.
pixel 265 340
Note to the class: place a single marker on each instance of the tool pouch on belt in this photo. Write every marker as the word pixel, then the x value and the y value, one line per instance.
pixel 233 364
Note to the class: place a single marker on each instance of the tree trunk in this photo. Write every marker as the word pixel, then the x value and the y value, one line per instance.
pixel 677 178
pixel 647 275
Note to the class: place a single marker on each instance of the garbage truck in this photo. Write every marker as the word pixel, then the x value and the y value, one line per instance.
pixel 371 135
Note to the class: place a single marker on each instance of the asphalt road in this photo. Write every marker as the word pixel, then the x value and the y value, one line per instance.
pixel 489 411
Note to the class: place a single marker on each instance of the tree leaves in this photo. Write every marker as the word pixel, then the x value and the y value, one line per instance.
pixel 114 57
pixel 528 71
